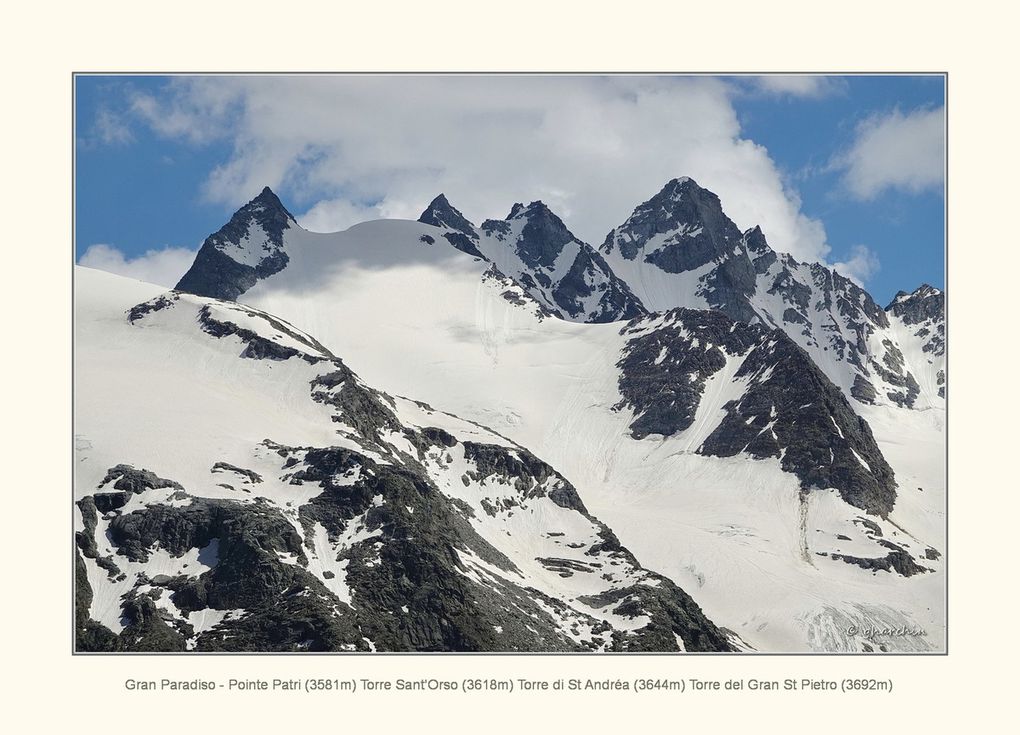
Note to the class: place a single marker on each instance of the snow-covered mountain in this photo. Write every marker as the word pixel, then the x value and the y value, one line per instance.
pixel 239 488
pixel 718 437
pixel 746 425
pixel 249 247
pixel 918 325
pixel 679 249
pixel 535 248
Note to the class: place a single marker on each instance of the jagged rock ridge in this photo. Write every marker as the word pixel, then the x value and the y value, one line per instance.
pixel 534 247
pixel 679 249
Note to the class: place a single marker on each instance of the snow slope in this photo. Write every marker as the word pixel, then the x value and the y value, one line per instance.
pixel 420 320
pixel 230 470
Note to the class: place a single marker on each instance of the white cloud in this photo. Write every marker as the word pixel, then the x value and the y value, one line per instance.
pixel 194 110
pixel 111 128
pixel 591 147
pixel 797 85
pixel 333 215
pixel 896 151
pixel 860 266
pixel 163 267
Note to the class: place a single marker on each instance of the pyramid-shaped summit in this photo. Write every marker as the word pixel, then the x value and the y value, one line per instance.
pixel 681 228
pixel 246 249
pixel 440 213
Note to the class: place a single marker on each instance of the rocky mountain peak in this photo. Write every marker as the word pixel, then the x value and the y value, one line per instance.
pixel 268 211
pixel 923 303
pixel 543 236
pixel 440 213
pixel 754 238
pixel 680 228
pixel 537 208
pixel 248 248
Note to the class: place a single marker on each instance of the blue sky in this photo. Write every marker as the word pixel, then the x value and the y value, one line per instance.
pixel 846 170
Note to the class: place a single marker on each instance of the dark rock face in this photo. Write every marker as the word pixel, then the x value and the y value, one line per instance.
pixel 898 560
pixel 128 481
pixel 461 232
pixel 440 213
pixel 88 634
pixel 526 470
pixel 672 612
pixel 924 311
pixel 788 408
pixel 250 475
pixel 259 347
pixel 925 303
pixel 863 390
pixel 841 307
pixel 663 373
pixel 543 236
pixel 159 303
pixel 517 293
pixel 694 232
pixel 496 228
pixel 464 243
pixel 588 291
pixel 703 231
pixel 590 275
pixel 127 478
pixel 217 322
pixel 683 228
pixel 762 256
pixel 218 275
pixel 85 540
pixel 794 292
pixel 362 408
pixel 892 371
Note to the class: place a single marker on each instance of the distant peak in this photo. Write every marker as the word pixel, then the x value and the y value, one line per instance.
pixel 923 302
pixel 676 188
pixel 248 248
pixel 440 213
pixel 269 203
pixel 682 207
pixel 681 181
pixel 758 248
pixel 267 196
pixel 542 234
pixel 921 292
pixel 537 208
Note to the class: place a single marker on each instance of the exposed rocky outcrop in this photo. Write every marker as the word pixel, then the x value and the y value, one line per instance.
pixel 534 248
pixel 898 560
pixel 787 408
pixel 245 250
